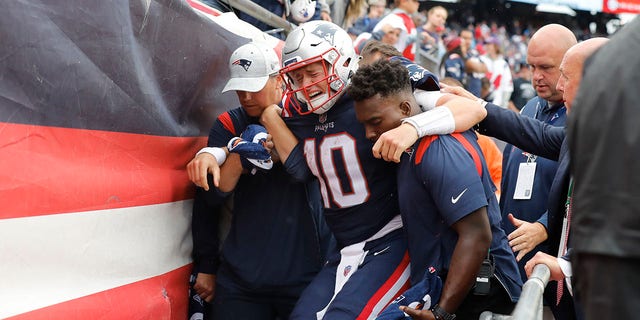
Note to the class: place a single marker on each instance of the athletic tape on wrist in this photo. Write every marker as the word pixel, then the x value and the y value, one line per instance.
pixel 436 121
pixel 216 152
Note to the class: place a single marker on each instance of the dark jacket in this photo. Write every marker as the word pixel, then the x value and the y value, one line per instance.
pixel 544 140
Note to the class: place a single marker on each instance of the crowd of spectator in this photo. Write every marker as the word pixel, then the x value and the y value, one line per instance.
pixel 428 33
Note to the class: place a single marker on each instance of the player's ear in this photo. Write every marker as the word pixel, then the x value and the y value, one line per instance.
pixel 280 83
pixel 405 108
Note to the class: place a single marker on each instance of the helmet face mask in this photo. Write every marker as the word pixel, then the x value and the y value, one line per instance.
pixel 317 42
pixel 306 93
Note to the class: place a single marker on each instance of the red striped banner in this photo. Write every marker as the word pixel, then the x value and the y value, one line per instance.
pixel 161 297
pixel 47 170
pixel 101 109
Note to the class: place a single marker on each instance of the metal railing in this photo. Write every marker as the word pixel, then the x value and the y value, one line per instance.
pixel 529 306
pixel 261 14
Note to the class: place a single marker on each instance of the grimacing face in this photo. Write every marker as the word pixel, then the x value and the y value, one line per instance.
pixel 310 77
pixel 307 75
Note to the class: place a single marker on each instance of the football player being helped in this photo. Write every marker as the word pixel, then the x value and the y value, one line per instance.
pixel 316 133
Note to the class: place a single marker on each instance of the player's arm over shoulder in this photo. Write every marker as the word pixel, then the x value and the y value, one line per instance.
pixel 467 112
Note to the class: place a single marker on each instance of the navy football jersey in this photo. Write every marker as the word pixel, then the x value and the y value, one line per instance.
pixel 444 179
pixel 358 190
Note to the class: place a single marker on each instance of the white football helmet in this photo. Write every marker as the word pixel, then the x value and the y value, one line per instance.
pixel 302 10
pixel 318 41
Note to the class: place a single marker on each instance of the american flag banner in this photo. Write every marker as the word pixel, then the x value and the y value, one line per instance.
pixel 102 105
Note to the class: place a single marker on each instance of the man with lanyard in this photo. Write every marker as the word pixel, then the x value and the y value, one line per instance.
pixel 571 69
pixel 527 178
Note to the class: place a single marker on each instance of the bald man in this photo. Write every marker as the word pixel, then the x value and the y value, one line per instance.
pixel 568 84
pixel 527 178
pixel 572 66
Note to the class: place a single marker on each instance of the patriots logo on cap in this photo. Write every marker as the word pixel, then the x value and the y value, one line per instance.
pixel 346 271
pixel 244 63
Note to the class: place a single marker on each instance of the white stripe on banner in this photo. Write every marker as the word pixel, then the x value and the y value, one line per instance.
pixel 50 259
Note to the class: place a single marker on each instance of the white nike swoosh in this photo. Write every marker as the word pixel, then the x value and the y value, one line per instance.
pixel 381 251
pixel 454 200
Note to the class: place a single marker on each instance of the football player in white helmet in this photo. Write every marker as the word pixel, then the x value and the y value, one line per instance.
pixel 317 41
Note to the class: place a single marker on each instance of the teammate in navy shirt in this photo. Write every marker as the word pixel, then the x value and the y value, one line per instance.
pixel 447 201
pixel 276 241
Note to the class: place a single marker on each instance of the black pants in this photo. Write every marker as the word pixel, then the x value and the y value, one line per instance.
pixel 229 304
pixel 607 287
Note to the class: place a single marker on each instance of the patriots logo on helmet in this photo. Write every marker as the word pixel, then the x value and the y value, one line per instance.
pixel 244 63
pixel 415 73
pixel 325 31
pixel 346 271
